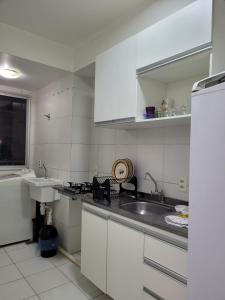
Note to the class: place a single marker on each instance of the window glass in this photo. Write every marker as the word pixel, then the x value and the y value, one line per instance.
pixel 12 130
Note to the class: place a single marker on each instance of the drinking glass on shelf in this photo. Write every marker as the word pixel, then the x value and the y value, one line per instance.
pixel 183 110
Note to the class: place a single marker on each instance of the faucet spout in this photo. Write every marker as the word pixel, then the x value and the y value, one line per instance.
pixel 153 180
pixel 160 195
pixel 45 170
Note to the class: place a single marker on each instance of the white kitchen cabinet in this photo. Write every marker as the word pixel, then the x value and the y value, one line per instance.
pixel 115 83
pixel 187 29
pixel 171 257
pixel 163 285
pixel 124 262
pixel 94 247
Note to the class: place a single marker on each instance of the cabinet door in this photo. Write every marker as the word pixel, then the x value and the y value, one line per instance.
pixel 124 262
pixel 94 248
pixel 115 82
pixel 188 28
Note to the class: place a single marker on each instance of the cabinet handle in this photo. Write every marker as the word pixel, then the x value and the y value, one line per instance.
pixel 116 121
pixel 174 58
pixel 151 293
pixel 167 239
pixel 127 224
pixel 166 271
pixel 96 213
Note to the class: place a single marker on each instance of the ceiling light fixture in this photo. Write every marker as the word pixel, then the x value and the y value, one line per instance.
pixel 9 73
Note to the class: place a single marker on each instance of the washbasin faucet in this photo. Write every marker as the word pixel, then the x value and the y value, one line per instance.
pixel 159 194
pixel 45 170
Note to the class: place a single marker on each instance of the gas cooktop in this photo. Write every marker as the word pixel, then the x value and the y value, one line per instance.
pixel 78 188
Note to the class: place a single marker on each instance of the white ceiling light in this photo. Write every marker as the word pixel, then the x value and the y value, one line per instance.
pixel 9 73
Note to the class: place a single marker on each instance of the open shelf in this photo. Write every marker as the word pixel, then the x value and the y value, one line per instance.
pixel 181 120
pixel 172 81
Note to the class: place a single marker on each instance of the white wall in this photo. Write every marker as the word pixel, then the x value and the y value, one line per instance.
pixel 35 48
pixel 62 142
pixel 138 20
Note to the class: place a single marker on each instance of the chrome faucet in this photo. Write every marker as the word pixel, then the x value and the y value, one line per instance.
pixel 45 170
pixel 159 194
pixel 153 180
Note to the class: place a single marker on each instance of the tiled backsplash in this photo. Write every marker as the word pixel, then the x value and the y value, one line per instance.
pixel 164 152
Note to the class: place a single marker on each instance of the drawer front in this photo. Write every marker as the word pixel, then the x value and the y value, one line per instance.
pixel 163 285
pixel 166 254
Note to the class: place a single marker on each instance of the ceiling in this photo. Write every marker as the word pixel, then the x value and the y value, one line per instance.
pixel 64 21
pixel 34 75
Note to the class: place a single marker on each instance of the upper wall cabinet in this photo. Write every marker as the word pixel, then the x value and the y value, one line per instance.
pixel 115 83
pixel 188 29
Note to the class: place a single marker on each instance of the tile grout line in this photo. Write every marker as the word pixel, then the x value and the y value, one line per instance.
pixel 51 268
pixel 73 282
pixel 26 282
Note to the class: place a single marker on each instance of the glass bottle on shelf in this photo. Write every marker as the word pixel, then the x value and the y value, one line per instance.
pixel 164 108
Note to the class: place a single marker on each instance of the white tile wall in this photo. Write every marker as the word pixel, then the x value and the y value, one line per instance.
pixel 63 144
pixel 162 151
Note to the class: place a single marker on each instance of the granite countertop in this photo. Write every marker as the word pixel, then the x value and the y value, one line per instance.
pixel 155 219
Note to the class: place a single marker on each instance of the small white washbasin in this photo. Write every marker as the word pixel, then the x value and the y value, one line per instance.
pixel 41 189
pixel 42 182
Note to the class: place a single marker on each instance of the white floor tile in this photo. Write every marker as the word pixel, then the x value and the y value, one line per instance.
pixel 71 271
pixel 24 253
pixel 58 260
pixel 33 298
pixel 15 247
pixel 9 273
pixel 34 265
pixel 16 290
pixel 88 287
pixel 46 280
pixel 4 259
pixel 67 292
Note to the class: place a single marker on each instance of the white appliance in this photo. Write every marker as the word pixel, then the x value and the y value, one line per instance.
pixel 206 250
pixel 16 208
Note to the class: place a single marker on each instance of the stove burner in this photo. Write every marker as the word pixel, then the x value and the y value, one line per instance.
pixel 78 188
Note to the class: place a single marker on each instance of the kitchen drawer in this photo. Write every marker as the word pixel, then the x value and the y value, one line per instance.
pixel 166 254
pixel 163 285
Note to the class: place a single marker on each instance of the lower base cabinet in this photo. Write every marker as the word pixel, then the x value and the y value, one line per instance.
pixel 124 262
pixel 127 264
pixel 163 286
pixel 94 248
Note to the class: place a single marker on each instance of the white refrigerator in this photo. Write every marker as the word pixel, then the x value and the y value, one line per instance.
pixel 206 245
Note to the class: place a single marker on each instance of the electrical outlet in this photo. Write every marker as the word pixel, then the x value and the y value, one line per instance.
pixel 183 184
pixel 39 163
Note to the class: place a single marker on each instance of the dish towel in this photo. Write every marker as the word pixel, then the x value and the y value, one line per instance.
pixel 176 221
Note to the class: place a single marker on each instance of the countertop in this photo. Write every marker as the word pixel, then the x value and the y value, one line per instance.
pixel 156 220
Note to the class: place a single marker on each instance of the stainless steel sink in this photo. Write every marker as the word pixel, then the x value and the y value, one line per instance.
pixel 145 208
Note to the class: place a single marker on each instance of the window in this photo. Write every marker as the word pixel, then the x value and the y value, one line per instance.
pixel 12 130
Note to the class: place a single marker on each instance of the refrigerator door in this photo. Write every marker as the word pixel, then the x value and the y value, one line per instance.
pixel 206 250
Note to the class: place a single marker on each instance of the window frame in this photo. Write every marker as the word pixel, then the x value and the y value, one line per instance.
pixel 28 124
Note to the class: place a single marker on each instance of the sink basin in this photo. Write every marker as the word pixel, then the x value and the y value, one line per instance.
pixel 42 182
pixel 145 208
pixel 41 189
